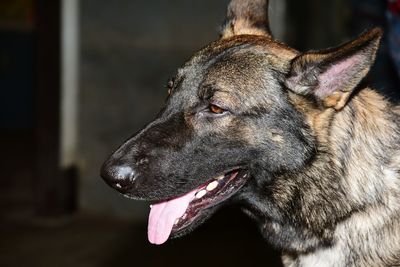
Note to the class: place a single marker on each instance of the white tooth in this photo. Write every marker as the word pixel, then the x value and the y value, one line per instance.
pixel 118 185
pixel 201 193
pixel 151 206
pixel 211 186
pixel 220 177
pixel 244 176
pixel 176 221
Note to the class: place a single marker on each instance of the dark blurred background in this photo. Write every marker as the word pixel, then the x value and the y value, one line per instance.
pixel 79 77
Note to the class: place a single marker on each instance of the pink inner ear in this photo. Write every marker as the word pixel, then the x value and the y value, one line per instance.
pixel 338 76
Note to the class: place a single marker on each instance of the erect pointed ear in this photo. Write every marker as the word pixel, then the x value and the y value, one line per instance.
pixel 332 75
pixel 246 17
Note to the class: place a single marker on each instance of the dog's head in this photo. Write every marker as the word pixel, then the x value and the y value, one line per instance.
pixel 237 116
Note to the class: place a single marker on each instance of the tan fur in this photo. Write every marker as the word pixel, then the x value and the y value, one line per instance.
pixel 369 181
pixel 397 109
pixel 357 138
pixel 368 178
pixel 343 121
pixel 241 27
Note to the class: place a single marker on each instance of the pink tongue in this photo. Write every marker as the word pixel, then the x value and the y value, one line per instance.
pixel 163 216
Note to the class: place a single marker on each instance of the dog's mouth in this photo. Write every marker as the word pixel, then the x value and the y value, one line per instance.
pixel 174 215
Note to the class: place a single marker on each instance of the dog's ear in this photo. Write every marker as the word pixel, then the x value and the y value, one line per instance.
pixel 246 17
pixel 331 75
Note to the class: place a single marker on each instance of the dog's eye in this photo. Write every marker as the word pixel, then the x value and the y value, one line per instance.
pixel 215 109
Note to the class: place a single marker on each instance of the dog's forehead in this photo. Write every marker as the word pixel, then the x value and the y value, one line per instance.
pixel 279 54
pixel 241 70
pixel 240 66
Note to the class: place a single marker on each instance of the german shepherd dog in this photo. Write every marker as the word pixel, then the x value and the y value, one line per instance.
pixel 311 156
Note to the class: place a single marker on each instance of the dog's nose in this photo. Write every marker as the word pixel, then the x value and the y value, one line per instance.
pixel 119 177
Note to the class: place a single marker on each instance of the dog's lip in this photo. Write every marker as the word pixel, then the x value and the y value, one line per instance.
pixel 156 200
pixel 232 181
pixel 198 187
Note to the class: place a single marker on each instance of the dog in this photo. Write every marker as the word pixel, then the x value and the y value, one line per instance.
pixel 292 137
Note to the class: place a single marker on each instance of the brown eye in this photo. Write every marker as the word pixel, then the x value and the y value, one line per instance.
pixel 215 109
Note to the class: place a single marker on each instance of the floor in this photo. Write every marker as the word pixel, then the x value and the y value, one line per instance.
pixel 229 239
pixel 16 162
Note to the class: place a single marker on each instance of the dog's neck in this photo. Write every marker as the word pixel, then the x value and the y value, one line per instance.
pixel 354 179
pixel 352 176
pixel 363 132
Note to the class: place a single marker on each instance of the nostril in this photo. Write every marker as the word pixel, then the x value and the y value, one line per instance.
pixel 119 177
